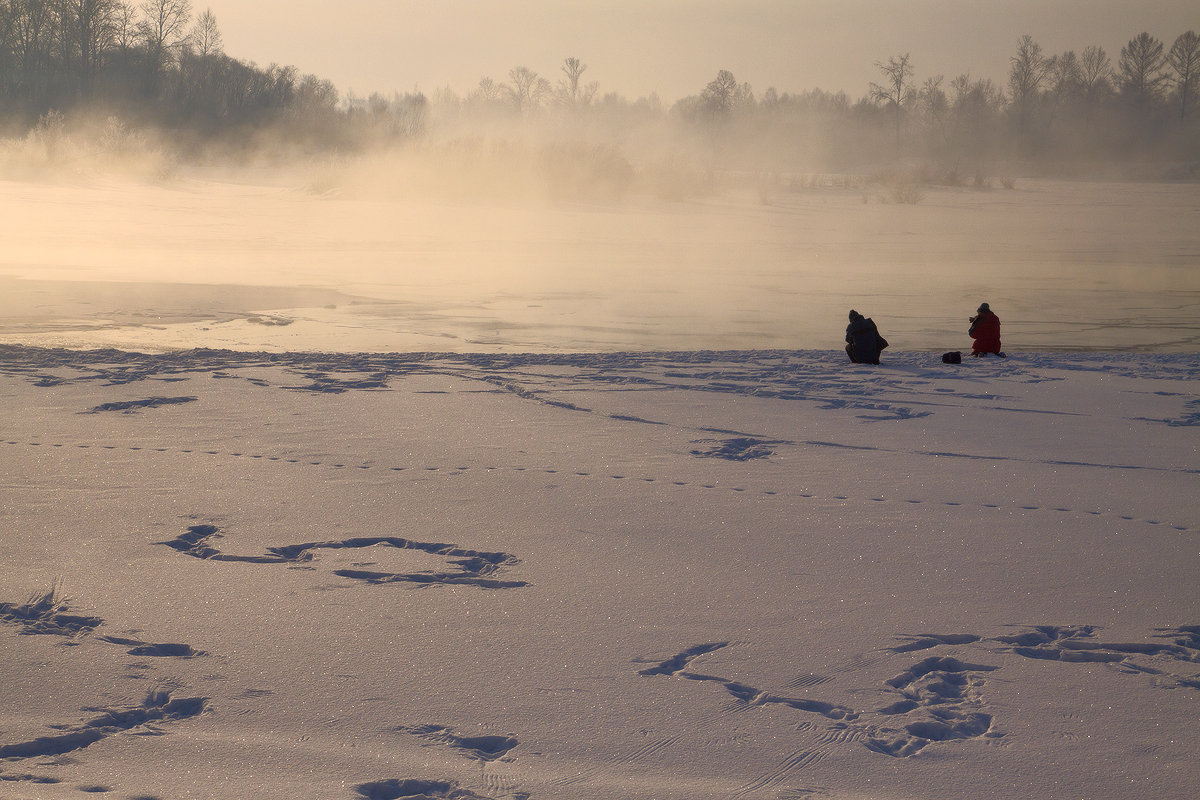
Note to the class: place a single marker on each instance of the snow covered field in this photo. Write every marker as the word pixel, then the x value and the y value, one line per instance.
pixel 479 502
pixel 753 574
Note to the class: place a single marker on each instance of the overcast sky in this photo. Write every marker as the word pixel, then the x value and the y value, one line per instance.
pixel 672 47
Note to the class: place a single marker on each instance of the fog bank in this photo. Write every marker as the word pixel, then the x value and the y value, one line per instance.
pixel 1067 265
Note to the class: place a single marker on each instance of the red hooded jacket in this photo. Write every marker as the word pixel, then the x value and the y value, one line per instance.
pixel 985 330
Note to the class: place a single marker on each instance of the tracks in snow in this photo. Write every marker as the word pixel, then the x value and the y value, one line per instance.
pixel 454 470
pixel 939 698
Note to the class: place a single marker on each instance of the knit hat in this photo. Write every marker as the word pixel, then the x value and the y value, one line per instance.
pixel 983 307
pixel 854 315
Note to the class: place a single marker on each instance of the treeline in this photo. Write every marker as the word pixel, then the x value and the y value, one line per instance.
pixel 1056 106
pixel 159 64
pixel 1065 107
pixel 156 62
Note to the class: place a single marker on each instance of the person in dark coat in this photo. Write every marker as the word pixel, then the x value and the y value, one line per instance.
pixel 985 330
pixel 863 342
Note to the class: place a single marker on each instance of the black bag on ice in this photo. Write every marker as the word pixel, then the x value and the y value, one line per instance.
pixel 953 357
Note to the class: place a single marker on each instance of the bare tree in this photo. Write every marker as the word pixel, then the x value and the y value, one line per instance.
pixel 976 105
pixel 932 107
pixel 409 113
pixel 163 27
pixel 1141 69
pixel 32 34
pixel 573 69
pixel 125 27
pixel 378 105
pixel 488 90
pixel 205 35
pixel 719 95
pixel 1184 60
pixel 6 50
pixel 1065 75
pixel 1095 73
pixel 528 88
pixel 88 32
pixel 571 93
pixel 898 77
pixel 1025 76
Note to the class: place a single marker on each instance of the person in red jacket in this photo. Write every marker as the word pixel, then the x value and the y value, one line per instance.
pixel 985 330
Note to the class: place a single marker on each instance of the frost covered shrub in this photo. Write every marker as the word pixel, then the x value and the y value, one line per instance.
pixel 49 134
pixel 59 145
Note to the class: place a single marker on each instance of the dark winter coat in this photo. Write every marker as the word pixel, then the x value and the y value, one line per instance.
pixel 985 330
pixel 863 341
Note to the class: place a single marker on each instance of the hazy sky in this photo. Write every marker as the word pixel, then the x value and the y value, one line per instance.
pixel 672 47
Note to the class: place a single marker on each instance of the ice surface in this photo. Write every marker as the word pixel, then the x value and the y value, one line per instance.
pixel 199 262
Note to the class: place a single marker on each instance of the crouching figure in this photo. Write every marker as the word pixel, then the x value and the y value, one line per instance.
pixel 985 330
pixel 863 342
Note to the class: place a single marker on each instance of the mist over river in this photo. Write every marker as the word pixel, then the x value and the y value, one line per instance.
pixel 270 263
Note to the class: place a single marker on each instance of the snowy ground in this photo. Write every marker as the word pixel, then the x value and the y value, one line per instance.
pixel 683 576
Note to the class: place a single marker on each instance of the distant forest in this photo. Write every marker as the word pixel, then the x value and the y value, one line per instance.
pixel 159 66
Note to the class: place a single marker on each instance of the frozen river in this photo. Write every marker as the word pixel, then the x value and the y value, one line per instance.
pixel 268 266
